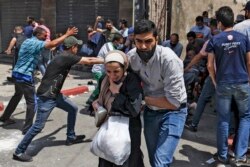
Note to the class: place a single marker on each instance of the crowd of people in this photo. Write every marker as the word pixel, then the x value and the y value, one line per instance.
pixel 137 74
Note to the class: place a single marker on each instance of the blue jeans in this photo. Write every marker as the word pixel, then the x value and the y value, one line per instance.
pixel 207 92
pixel 163 130
pixel 45 106
pixel 224 95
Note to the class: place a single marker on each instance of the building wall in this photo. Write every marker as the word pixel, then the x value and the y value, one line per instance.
pixel 184 13
pixel 126 10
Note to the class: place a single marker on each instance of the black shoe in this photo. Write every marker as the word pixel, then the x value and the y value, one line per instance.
pixel 78 139
pixel 10 79
pixel 22 157
pixel 190 126
pixel 6 122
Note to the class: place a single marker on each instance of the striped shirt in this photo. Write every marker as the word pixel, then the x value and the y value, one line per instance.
pixel 28 58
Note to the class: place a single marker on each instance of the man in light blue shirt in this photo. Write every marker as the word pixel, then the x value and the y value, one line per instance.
pixel 174 44
pixel 201 30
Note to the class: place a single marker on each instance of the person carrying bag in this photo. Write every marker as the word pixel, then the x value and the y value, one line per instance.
pixel 117 143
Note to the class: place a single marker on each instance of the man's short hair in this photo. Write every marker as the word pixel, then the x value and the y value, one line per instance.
pixel 175 34
pixel 116 36
pixel 225 15
pixel 191 34
pixel 145 26
pixel 199 19
pixel 38 30
pixel 124 21
pixel 109 21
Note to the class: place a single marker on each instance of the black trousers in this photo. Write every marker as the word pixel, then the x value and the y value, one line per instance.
pixel 28 90
pixel 136 157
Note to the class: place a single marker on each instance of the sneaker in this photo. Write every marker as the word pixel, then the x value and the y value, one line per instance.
pixel 190 126
pixel 243 162
pixel 22 157
pixel 78 139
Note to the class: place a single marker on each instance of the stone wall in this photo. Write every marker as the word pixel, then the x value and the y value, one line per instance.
pixel 184 13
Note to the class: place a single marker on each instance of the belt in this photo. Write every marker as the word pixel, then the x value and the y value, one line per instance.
pixel 183 105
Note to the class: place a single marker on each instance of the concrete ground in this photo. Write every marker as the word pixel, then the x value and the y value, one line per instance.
pixel 48 149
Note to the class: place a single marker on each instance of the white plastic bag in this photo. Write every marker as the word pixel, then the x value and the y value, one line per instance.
pixel 112 141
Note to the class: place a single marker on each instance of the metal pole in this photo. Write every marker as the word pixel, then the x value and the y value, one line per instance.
pixel 169 17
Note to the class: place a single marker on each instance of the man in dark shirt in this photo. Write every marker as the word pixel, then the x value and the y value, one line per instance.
pixel 229 69
pixel 49 96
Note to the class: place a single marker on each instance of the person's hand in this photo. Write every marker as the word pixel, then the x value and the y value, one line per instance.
pixel 72 31
pixel 8 52
pixel 113 87
pixel 95 105
pixel 98 18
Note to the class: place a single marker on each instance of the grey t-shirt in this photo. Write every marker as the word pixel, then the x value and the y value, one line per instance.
pixel 162 75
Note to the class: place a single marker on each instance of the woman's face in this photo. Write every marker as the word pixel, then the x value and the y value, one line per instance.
pixel 114 71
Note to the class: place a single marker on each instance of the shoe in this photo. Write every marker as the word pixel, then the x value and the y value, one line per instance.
pixel 231 153
pixel 7 122
pixel 22 157
pixel 239 162
pixel 190 126
pixel 221 162
pixel 10 79
pixel 78 139
pixel 90 83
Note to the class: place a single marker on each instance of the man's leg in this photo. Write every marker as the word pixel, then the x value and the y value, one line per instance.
pixel 30 97
pixel 152 122
pixel 45 106
pixel 67 105
pixel 223 109
pixel 242 98
pixel 207 92
pixel 13 103
pixel 169 136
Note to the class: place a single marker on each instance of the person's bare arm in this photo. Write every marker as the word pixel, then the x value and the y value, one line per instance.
pixel 11 45
pixel 98 18
pixel 210 67
pixel 194 61
pixel 57 41
pixel 160 102
pixel 248 65
pixel 91 60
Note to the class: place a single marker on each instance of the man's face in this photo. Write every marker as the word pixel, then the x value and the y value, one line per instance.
pixel 42 36
pixel 173 39
pixel 190 39
pixel 145 41
pixel 74 49
pixel 109 26
pixel 200 24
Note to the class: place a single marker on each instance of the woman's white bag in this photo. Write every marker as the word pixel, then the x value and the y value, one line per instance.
pixel 112 141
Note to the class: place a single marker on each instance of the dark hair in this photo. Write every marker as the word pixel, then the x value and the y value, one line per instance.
pixel 191 34
pixel 225 15
pixel 204 13
pixel 213 22
pixel 175 34
pixel 109 21
pixel 199 18
pixel 145 26
pixel 30 19
pixel 116 36
pixel 124 21
pixel 38 31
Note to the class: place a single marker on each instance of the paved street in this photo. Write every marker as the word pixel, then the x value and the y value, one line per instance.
pixel 48 147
